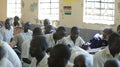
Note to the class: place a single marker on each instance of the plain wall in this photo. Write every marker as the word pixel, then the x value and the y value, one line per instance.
pixel 3 10
pixel 30 13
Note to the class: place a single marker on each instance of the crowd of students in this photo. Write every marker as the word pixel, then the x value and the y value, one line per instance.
pixel 48 46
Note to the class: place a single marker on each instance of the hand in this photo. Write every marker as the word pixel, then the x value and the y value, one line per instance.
pixel 26 60
pixel 85 47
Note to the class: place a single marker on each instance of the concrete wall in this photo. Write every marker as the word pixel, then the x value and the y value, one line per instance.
pixel 30 13
pixel 3 10
pixel 76 18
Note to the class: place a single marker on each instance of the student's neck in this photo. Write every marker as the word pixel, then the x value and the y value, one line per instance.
pixel 26 30
pixel 73 40
pixel 113 53
pixel 55 37
pixel 40 57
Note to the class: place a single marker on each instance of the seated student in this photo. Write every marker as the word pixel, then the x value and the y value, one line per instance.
pixel 110 52
pixel 46 22
pixel 56 38
pixel 118 28
pixel 16 21
pixel 19 38
pixel 10 54
pixel 26 45
pixel 74 39
pixel 99 41
pixel 83 61
pixel 49 29
pixel 38 47
pixel 59 56
pixel 112 63
pixel 7 31
pixel 4 62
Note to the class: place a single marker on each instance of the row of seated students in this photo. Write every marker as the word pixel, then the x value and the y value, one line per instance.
pixel 55 49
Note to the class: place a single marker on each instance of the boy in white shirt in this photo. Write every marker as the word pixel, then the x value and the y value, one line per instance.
pixel 38 47
pixel 110 52
pixel 4 62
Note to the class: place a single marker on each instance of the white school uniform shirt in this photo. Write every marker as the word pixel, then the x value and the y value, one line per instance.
pixel 102 56
pixel 52 42
pixel 69 64
pixel 77 51
pixel 20 38
pixel 42 63
pixel 25 48
pixel 79 41
pixel 6 34
pixel 25 51
pixel 11 55
pixel 4 62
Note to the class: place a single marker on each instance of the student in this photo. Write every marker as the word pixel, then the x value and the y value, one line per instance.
pixel 26 45
pixel 99 41
pixel 112 63
pixel 83 61
pixel 110 52
pixel 16 21
pixel 10 54
pixel 25 34
pixel 7 31
pixel 59 56
pixel 46 22
pixel 74 39
pixel 4 62
pixel 49 29
pixel 38 47
pixel 57 37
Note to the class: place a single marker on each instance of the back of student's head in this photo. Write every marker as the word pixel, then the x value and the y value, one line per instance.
pixel 83 60
pixel 38 45
pixel 59 56
pixel 2 52
pixel 37 31
pixel 40 41
pixel 114 43
pixel 113 37
pixel 112 63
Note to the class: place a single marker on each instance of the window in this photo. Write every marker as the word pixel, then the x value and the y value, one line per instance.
pixel 99 11
pixel 13 8
pixel 49 9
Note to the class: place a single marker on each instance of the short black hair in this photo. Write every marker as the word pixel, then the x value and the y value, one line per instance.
pixel 16 17
pixel 113 37
pixel 37 31
pixel 40 41
pixel 59 56
pixel 60 51
pixel 60 29
pixel 74 29
pixel 112 63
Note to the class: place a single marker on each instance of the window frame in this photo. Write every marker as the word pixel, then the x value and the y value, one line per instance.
pixel 102 17
pixel 50 15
